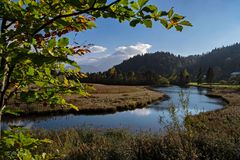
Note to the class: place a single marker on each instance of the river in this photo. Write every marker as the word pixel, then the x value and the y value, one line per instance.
pixel 147 118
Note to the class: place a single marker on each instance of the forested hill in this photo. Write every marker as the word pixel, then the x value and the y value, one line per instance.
pixel 163 63
pixel 223 61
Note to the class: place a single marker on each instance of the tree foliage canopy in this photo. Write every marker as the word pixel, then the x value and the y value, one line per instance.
pixel 34 50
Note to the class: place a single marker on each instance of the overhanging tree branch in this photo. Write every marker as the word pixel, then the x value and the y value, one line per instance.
pixel 3 25
pixel 11 23
pixel 73 14
pixel 5 83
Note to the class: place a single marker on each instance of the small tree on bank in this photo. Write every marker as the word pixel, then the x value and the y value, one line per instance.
pixel 184 77
pixel 33 49
pixel 209 75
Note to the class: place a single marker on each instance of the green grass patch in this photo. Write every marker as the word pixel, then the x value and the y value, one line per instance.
pixel 215 85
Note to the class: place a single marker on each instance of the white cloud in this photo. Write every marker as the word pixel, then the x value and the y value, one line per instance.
pixel 132 50
pixel 97 49
pixel 122 53
pixel 103 61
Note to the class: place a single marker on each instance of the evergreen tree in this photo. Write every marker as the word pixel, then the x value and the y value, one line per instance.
pixel 209 75
pixel 199 76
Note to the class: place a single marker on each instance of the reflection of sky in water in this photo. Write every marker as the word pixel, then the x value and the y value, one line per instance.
pixel 141 112
pixel 139 119
pixel 20 123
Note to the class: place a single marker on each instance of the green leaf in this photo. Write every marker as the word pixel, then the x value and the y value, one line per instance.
pixel 62 68
pixel 40 74
pixel 141 3
pixel 178 16
pixel 20 3
pixel 39 83
pixel 52 81
pixel 9 142
pixel 27 1
pixel 65 81
pixel 147 23
pixel 34 42
pixel 163 13
pixel 91 2
pixel 51 43
pixel 134 5
pixel 113 8
pixel 8 111
pixel 186 23
pixel 62 22
pixel 46 141
pixel 30 71
pixel 75 3
pixel 164 22
pixel 63 102
pixel 134 22
pixel 170 25
pixel 42 43
pixel 179 28
pixel 47 71
pixel 150 8
pixel 73 107
pixel 102 2
pixel 63 42
pixel 124 2
pixel 170 13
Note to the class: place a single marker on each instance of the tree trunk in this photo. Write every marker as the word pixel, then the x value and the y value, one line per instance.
pixel 1 112
pixel 0 125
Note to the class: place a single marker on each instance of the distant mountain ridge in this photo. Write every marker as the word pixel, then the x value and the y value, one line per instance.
pixel 223 60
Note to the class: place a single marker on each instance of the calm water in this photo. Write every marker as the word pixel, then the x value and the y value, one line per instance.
pixel 139 119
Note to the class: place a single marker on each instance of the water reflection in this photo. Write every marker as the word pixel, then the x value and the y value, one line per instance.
pixel 141 112
pixel 19 123
pixel 201 91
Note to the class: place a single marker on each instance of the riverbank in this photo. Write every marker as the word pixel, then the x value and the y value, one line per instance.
pixel 215 86
pixel 104 99
pixel 226 119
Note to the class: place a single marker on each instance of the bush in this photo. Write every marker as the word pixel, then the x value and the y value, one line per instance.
pixel 17 143
pixel 163 81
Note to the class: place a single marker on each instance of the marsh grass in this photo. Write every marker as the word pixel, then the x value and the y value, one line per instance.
pixel 119 144
pixel 212 135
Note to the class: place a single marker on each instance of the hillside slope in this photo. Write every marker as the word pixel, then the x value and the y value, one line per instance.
pixel 223 60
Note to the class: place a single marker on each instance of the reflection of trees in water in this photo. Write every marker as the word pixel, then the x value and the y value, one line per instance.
pixel 22 121
pixel 52 116
pixel 201 91
pixel 160 107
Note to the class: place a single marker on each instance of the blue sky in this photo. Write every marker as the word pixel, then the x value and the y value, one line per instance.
pixel 215 23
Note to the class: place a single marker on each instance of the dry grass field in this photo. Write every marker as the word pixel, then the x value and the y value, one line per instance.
pixel 104 99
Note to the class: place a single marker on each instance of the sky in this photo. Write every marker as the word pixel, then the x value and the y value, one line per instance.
pixel 216 23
